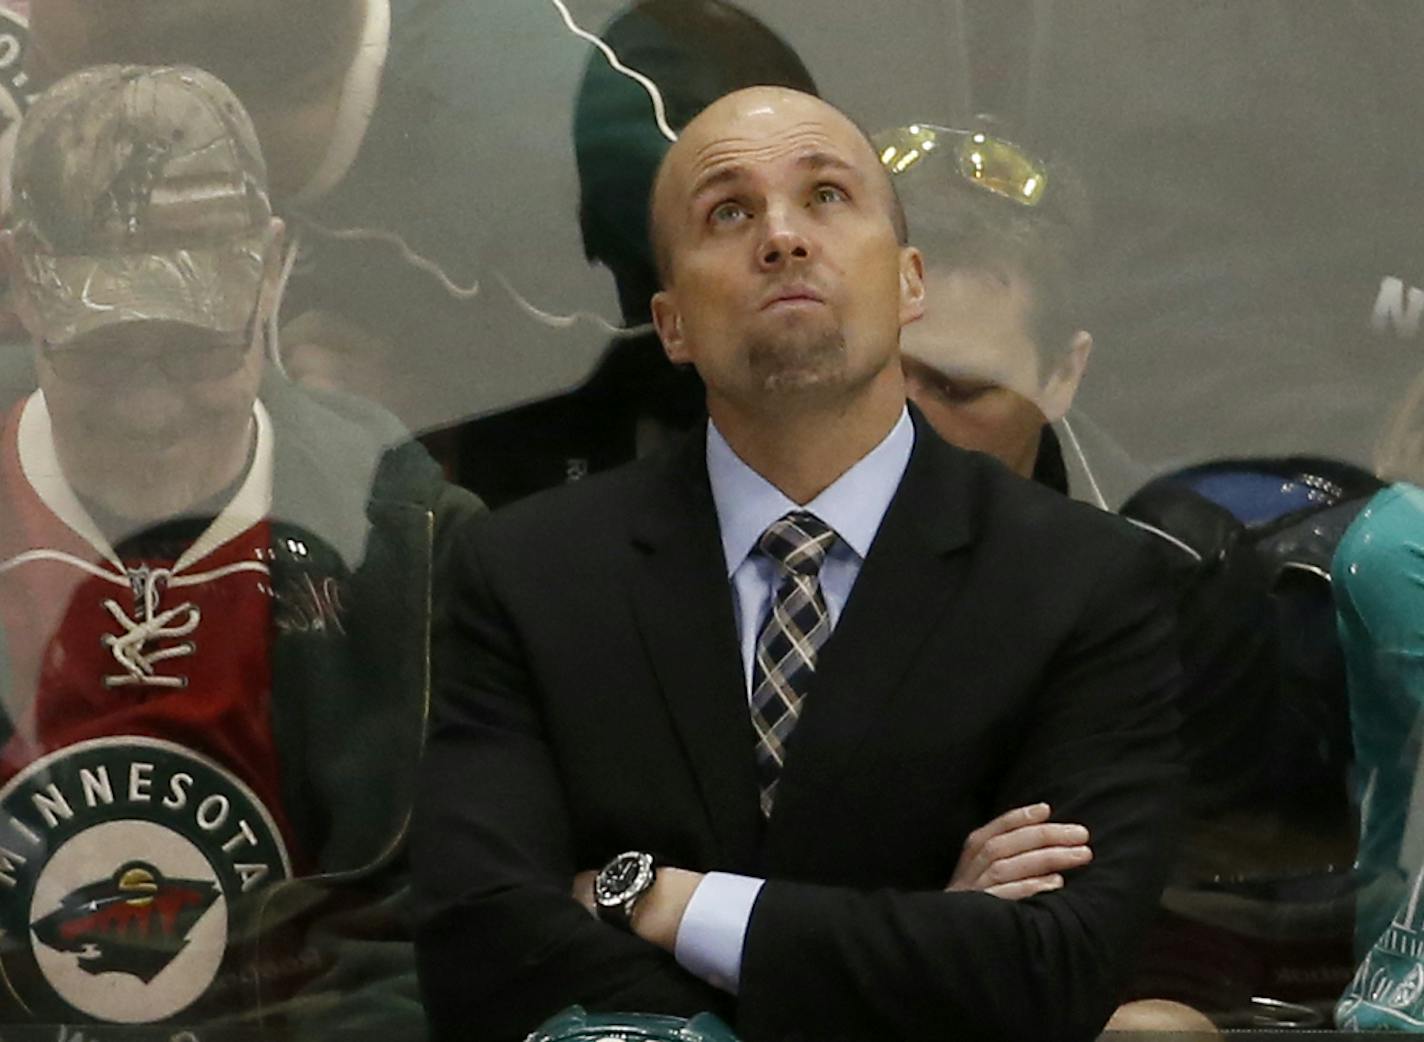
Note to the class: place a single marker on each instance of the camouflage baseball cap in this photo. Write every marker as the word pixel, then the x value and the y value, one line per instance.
pixel 139 194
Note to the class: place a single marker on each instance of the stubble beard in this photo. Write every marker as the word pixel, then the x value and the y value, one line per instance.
pixel 798 362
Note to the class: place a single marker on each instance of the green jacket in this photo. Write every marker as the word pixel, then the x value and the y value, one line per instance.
pixel 354 716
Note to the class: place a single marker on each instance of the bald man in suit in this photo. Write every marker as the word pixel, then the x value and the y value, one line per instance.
pixel 786 668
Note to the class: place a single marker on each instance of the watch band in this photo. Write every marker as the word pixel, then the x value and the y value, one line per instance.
pixel 620 915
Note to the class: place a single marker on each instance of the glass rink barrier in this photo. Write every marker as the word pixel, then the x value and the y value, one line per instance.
pixel 43 1033
pixel 763 520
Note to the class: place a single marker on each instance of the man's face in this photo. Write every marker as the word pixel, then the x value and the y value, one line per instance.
pixel 150 417
pixel 145 412
pixel 785 281
pixel 973 368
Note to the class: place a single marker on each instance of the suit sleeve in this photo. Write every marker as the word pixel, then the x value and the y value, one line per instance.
pixel 500 943
pixel 826 963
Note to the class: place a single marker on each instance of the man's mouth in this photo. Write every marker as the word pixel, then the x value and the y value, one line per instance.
pixel 793 296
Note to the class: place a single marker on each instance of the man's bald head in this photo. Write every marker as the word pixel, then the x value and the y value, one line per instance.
pixel 753 112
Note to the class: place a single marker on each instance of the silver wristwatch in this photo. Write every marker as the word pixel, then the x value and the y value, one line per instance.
pixel 621 882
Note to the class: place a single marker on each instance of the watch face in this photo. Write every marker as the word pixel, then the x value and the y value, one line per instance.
pixel 625 876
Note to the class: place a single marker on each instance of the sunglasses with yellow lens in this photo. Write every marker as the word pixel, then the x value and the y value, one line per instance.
pixel 982 159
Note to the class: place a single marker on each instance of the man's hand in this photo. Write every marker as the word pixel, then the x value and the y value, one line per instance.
pixel 1020 853
pixel 658 913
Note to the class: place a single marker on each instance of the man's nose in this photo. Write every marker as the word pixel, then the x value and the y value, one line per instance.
pixel 783 243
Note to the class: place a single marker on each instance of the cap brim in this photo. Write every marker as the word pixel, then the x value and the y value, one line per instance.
pixel 213 287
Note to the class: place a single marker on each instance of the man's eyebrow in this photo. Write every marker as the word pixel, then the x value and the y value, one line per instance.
pixel 826 161
pixel 811 160
pixel 717 177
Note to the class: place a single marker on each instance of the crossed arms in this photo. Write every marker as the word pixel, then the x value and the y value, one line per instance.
pixel 503 943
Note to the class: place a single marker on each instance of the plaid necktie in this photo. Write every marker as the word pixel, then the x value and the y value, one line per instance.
pixel 794 631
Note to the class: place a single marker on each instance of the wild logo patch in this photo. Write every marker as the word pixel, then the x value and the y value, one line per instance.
pixel 123 866
pixel 135 922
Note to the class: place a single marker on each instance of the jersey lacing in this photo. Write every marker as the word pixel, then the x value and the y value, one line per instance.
pixel 130 647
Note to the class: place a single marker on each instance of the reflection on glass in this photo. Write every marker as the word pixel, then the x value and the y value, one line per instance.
pixel 214 597
pixel 1254 287
pixel 1001 350
pixel 999 166
pixel 693 51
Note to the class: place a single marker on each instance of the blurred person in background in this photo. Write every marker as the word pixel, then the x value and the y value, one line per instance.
pixel 694 51
pixel 1001 351
pixel 372 122
pixel 215 597
pixel 1378 572
pixel 1249 542
pixel 1253 171
pixel 998 359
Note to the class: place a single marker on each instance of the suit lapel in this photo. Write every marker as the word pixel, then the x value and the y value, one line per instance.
pixel 683 603
pixel 909 580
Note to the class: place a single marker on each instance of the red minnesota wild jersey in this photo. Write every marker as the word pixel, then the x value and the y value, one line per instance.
pixel 140 786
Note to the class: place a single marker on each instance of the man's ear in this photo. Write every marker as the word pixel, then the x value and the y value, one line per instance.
pixel 912 286
pixel 668 322
pixel 1061 386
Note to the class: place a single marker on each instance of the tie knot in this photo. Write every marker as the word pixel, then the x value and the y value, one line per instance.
pixel 798 542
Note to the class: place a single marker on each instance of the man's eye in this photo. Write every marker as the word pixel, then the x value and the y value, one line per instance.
pixel 828 194
pixel 727 213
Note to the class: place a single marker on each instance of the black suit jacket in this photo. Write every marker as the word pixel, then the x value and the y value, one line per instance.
pixel 1002 646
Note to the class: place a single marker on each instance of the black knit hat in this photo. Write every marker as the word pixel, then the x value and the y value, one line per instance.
pixel 695 51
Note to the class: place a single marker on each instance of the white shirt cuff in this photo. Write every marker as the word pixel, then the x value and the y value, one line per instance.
pixel 714 928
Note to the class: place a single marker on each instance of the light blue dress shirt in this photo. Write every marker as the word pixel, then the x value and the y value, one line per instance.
pixel 714 926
